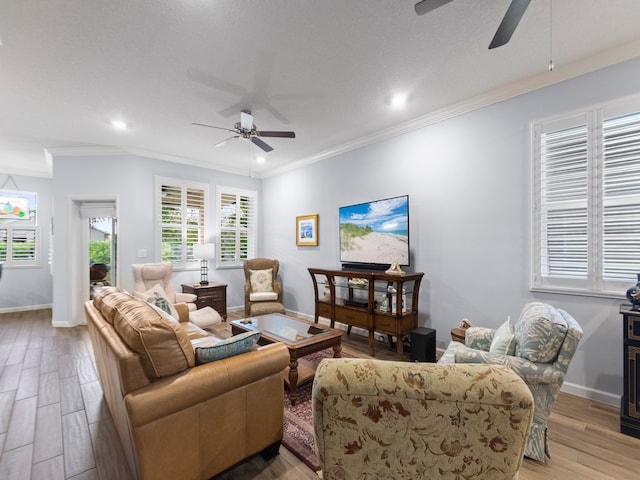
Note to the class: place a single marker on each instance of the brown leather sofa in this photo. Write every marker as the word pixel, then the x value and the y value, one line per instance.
pixel 176 419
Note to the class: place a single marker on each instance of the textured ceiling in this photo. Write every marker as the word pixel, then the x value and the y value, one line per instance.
pixel 325 69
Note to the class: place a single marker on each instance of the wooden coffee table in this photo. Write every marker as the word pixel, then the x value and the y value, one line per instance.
pixel 301 337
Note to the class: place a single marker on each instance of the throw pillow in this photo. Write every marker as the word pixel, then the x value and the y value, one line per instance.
pixel 261 280
pixel 504 340
pixel 158 297
pixel 206 351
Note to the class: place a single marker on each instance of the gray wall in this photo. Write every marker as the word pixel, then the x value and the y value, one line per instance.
pixel 30 287
pixel 131 179
pixel 468 179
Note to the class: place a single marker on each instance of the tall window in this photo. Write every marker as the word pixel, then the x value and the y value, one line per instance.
pixel 182 222
pixel 587 201
pixel 19 232
pixel 237 226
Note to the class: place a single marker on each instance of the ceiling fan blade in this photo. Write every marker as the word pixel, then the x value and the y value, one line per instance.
pixel 226 140
pixel 509 23
pixel 425 6
pixel 211 126
pixel 246 121
pixel 264 146
pixel 266 133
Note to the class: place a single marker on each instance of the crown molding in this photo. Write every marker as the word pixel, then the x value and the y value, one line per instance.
pixel 511 90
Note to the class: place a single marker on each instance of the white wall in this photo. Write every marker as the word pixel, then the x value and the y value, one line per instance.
pixel 468 179
pixel 27 288
pixel 130 179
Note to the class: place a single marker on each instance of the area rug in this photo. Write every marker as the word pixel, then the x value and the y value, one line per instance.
pixel 298 418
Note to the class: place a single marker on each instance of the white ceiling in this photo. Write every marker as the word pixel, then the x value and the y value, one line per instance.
pixel 324 68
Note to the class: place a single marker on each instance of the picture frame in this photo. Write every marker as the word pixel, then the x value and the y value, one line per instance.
pixel 307 230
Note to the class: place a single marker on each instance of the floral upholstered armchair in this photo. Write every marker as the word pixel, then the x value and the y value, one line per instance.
pixel 539 348
pixel 376 419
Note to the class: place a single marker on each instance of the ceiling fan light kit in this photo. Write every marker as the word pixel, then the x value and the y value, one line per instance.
pixel 246 129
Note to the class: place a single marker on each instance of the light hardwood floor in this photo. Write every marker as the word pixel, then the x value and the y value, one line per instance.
pixel 54 423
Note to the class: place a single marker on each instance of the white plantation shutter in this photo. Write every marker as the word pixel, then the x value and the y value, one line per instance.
pixel 237 226
pixel 564 197
pixel 19 245
pixel 621 198
pixel 587 202
pixel 182 219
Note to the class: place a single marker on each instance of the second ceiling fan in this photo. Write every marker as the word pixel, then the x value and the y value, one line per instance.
pixel 507 26
pixel 246 129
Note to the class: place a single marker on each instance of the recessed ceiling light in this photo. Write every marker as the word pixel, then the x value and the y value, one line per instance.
pixel 119 124
pixel 398 100
pixel 260 160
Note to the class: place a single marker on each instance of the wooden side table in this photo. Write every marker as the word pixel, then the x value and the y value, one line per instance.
pixel 213 295
pixel 458 334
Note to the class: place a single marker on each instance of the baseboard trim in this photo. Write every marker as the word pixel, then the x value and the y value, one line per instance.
pixel 27 308
pixel 591 394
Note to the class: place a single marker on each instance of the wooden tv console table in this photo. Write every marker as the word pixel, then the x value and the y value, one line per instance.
pixel 372 300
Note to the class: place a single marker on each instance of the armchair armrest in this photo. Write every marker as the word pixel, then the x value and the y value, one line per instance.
pixel 532 373
pixel 185 297
pixel 479 338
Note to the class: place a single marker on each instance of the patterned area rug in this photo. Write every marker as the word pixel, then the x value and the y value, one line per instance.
pixel 298 418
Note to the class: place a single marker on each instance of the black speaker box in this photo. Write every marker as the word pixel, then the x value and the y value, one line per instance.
pixel 423 344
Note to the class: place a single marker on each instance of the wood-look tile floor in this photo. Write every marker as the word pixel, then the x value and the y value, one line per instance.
pixel 54 423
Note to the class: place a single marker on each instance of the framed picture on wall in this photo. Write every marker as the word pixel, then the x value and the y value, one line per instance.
pixel 307 230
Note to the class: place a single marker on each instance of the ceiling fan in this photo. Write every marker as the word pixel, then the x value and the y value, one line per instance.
pixel 246 129
pixel 507 26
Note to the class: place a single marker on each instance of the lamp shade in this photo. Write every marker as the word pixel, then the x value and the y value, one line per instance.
pixel 204 251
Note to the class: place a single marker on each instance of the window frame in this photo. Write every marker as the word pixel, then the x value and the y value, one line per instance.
pixel 186 260
pixel 10 226
pixel 594 282
pixel 224 230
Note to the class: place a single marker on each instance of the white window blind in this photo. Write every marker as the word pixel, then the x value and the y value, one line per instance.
pixel 587 202
pixel 182 219
pixel 621 197
pixel 19 246
pixel 237 228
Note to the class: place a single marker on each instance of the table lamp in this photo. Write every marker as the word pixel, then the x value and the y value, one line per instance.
pixel 203 252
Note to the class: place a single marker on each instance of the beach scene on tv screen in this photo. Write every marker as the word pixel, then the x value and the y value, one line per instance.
pixel 375 232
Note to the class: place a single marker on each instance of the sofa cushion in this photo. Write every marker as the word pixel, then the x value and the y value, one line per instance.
pixel 106 299
pixel 163 346
pixel 504 340
pixel 261 280
pixel 263 296
pixel 540 332
pixel 209 350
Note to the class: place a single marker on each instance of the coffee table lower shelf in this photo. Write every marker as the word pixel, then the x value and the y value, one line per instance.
pixel 312 338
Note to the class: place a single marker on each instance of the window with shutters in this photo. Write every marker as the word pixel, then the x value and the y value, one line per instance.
pixel 182 209
pixel 237 226
pixel 587 201
pixel 19 232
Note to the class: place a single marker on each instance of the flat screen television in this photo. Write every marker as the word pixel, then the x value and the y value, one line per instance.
pixel 375 234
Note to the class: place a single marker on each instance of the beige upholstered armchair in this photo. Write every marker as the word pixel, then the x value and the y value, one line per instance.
pixel 399 420
pixel 262 289
pixel 147 275
pixel 154 280
pixel 538 347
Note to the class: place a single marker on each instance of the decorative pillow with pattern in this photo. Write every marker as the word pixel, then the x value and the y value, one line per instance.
pixel 504 340
pixel 261 280
pixel 207 351
pixel 158 297
pixel 540 332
